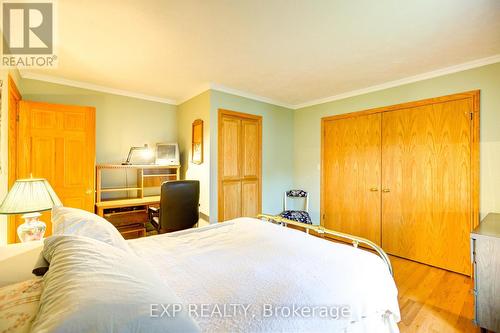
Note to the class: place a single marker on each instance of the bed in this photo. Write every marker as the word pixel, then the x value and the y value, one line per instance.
pixel 249 275
pixel 248 261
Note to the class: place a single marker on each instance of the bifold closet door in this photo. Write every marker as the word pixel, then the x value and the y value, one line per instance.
pixel 426 174
pixel 351 176
pixel 240 154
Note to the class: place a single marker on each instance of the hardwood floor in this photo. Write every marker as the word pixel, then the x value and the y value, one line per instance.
pixel 433 299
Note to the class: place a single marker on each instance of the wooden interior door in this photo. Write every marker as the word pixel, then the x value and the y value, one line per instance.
pixel 240 162
pixel 57 142
pixel 351 176
pixel 426 177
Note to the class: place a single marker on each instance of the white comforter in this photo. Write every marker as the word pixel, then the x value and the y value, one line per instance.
pixel 237 273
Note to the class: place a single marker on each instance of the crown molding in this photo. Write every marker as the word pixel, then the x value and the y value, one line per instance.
pixel 391 84
pixel 218 87
pixel 221 88
pixel 94 87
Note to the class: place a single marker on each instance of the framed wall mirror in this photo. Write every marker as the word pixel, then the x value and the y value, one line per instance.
pixel 197 142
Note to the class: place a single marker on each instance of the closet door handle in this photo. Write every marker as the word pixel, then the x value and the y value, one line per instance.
pixel 374 189
pixel 386 190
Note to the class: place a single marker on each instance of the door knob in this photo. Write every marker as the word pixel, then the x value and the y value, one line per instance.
pixel 88 192
pixel 374 189
pixel 386 190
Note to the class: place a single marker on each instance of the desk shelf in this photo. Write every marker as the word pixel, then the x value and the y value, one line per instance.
pixel 129 215
pixel 147 176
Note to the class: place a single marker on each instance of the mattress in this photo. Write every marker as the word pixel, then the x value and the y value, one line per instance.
pixel 247 275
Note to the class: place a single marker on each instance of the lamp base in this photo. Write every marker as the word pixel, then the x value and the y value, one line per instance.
pixel 32 229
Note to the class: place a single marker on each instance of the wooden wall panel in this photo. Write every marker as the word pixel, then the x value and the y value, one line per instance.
pixel 249 198
pixel 250 148
pixel 351 176
pixel 426 177
pixel 43 158
pixel 72 148
pixel 231 136
pixel 231 200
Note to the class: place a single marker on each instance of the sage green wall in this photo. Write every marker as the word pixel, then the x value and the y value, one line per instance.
pixel 197 107
pixel 291 139
pixel 121 122
pixel 487 78
pixel 277 148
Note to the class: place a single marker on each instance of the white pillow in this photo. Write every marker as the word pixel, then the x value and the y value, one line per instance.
pixel 94 287
pixel 73 221
pixel 19 305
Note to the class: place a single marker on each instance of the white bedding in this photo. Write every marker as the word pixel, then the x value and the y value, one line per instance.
pixel 257 264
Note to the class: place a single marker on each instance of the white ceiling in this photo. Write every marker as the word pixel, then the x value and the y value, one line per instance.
pixel 290 51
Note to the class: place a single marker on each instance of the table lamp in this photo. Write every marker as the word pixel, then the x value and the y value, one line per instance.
pixel 30 197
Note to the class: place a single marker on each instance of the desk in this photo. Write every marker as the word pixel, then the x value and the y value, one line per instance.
pixel 129 216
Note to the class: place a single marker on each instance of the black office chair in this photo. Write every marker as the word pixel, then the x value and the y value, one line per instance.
pixel 179 206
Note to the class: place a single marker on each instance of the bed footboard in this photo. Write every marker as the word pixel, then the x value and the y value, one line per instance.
pixel 322 230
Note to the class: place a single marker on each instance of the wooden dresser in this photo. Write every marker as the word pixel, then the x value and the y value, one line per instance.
pixel 485 254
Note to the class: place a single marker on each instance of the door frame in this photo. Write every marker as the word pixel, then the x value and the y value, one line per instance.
pixel 13 135
pixel 20 112
pixel 474 95
pixel 225 112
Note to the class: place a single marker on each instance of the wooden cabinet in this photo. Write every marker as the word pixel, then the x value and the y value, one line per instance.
pixel 239 179
pixel 485 248
pixel 406 177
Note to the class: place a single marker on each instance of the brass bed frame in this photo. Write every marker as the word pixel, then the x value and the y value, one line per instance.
pixel 322 230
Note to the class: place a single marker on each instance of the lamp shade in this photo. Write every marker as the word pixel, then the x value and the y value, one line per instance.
pixel 29 196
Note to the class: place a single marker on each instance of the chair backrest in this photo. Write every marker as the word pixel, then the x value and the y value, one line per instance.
pixel 179 205
pixel 296 194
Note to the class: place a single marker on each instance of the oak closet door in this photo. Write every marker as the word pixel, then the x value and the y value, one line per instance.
pixel 351 176
pixel 426 198
pixel 240 146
